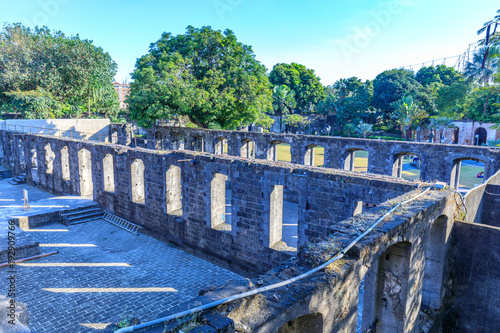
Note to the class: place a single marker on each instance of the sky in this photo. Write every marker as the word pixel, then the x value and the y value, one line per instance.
pixel 335 38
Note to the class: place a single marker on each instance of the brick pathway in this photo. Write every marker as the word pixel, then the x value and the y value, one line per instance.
pixel 127 261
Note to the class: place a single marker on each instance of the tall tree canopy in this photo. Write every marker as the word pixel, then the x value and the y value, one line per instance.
pixel 203 74
pixel 390 86
pixel 283 101
pixel 483 67
pixel 306 85
pixel 46 74
pixel 439 74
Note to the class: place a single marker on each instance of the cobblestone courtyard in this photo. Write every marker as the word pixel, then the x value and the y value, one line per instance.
pixel 103 273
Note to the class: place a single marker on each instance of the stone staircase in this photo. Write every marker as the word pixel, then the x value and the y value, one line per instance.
pixel 18 180
pixel 82 214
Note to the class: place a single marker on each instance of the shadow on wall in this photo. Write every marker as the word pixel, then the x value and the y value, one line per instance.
pixel 475 199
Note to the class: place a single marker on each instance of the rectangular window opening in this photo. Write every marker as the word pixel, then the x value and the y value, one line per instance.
pixel 283 227
pixel 137 178
pixel 174 191
pixel 220 201
pixel 108 173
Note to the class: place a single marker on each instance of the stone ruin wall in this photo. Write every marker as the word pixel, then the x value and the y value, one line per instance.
pixel 418 238
pixel 145 187
pixel 438 161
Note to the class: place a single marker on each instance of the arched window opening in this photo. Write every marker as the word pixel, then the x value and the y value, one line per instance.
pixel 314 156
pixel 198 143
pixel 49 159
pixel 356 160
pixel 114 136
pixel 247 149
pixel 480 136
pixel 407 166
pixel 174 190
pixel 65 163
pixel 283 219
pixel 177 141
pixel 220 202
pixel 279 151
pixel 467 173
pixel 221 145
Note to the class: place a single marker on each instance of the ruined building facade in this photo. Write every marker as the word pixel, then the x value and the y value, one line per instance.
pixel 431 263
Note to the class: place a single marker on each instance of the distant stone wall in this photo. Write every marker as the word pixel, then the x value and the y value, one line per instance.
pixel 438 161
pixel 475 304
pixel 71 128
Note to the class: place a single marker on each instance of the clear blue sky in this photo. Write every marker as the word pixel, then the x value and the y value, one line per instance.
pixel 336 38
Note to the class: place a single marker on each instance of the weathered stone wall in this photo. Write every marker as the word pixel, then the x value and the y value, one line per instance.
pixel 327 301
pixel 482 202
pixel 325 197
pixel 404 261
pixel 438 161
pixel 476 289
pixel 491 205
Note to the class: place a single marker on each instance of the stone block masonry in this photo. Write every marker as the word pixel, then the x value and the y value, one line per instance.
pixel 171 194
pixel 437 161
pixel 476 286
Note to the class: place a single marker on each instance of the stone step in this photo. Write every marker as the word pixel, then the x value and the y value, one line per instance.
pixel 82 215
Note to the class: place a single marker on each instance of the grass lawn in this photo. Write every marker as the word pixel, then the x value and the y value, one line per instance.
pixel 285 156
pixel 468 175
pixel 361 161
pixel 284 152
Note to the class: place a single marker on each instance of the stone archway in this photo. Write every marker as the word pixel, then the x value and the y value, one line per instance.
pixel 480 136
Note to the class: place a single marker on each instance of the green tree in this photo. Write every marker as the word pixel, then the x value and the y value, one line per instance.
pixel 306 85
pixel 296 120
pixel 483 103
pixel 348 100
pixel 451 100
pixel 484 65
pixel 329 106
pixel 440 124
pixel 341 87
pixel 439 74
pixel 364 129
pixel 283 102
pixel 37 64
pixel 390 86
pixel 406 112
pixel 203 74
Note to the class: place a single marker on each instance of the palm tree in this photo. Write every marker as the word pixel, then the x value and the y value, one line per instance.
pixel 407 111
pixel 329 106
pixel 364 129
pixel 440 124
pixel 341 87
pixel 475 70
pixel 483 67
pixel 283 101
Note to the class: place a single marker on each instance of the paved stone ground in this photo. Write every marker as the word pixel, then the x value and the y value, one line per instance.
pixel 146 263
